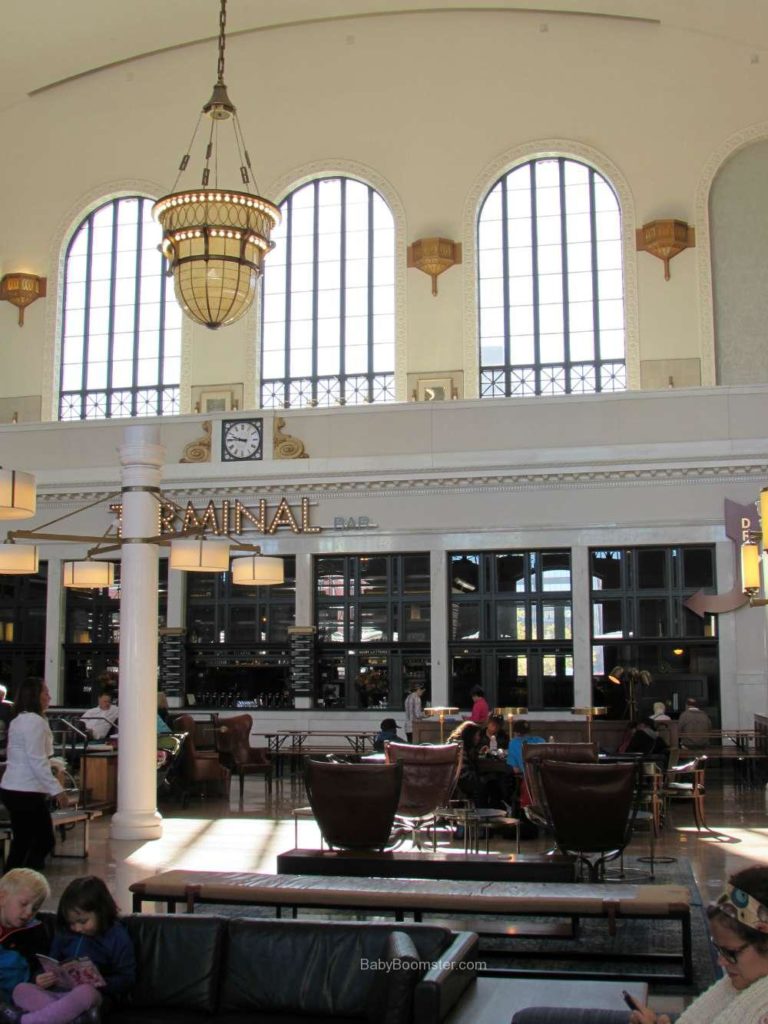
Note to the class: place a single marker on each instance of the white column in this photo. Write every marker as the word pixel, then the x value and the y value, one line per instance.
pixel 54 631
pixel 439 614
pixel 581 627
pixel 141 458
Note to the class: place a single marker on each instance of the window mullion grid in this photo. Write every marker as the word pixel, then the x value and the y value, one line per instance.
pixel 315 285
pixel 535 276
pixel 595 286
pixel 564 264
pixel 288 259
pixel 342 292
pixel 369 326
pixel 87 317
pixel 136 308
pixel 505 279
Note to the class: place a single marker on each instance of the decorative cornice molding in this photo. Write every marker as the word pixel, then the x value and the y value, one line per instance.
pixel 536 149
pixel 738 140
pixel 333 166
pixel 465 482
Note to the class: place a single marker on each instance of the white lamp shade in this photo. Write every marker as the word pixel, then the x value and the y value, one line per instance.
pixel 18 559
pixel 257 570
pixel 750 567
pixel 88 574
pixel 199 555
pixel 18 494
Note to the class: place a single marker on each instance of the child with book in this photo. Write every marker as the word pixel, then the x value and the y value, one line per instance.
pixel 87 931
pixel 22 935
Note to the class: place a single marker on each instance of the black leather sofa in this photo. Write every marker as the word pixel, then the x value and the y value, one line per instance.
pixel 196 967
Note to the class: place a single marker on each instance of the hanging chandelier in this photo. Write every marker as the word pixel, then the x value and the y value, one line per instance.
pixel 215 239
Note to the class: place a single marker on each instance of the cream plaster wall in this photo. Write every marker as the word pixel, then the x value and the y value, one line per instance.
pixel 427 101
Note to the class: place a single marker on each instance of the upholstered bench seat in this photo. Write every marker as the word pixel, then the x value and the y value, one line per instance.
pixel 418 897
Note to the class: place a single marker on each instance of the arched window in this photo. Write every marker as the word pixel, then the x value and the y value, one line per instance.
pixel 121 328
pixel 551 296
pixel 328 310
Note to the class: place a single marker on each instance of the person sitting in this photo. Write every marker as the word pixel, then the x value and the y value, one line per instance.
pixel 387 731
pixel 520 737
pixel 693 726
pixel 738 926
pixel 646 740
pixel 496 739
pixel 100 721
pixel 660 712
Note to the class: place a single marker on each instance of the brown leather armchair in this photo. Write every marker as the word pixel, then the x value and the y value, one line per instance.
pixel 233 743
pixel 354 804
pixel 199 766
pixel 430 774
pixel 592 807
pixel 537 810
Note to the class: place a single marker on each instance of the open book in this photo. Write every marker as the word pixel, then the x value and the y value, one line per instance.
pixel 73 972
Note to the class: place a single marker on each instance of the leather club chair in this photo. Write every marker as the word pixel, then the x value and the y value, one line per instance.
pixel 593 808
pixel 235 751
pixel 354 804
pixel 199 767
pixel 430 774
pixel 537 811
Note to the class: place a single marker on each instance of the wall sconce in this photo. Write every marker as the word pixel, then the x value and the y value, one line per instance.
pixel 22 290
pixel 433 256
pixel 665 239
pixel 751 559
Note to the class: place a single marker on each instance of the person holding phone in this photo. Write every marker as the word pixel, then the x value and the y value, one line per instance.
pixel 738 925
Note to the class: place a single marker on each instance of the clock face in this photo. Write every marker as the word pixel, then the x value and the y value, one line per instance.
pixel 241 440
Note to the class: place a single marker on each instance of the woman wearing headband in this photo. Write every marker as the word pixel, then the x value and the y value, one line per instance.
pixel 738 925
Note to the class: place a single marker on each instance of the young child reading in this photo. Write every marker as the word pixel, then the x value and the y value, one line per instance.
pixel 22 936
pixel 87 927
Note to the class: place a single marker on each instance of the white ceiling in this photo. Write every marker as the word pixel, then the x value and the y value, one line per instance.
pixel 48 42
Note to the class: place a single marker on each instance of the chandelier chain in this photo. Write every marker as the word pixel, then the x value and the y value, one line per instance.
pixel 222 39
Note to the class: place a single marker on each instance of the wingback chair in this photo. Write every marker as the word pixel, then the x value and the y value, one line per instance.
pixel 354 804
pixel 233 743
pixel 537 810
pixel 430 774
pixel 592 808
pixel 199 767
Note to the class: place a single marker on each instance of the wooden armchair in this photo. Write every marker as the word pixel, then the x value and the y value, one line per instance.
pixel 233 744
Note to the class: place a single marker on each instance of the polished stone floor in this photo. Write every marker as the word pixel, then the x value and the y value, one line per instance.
pixel 218 834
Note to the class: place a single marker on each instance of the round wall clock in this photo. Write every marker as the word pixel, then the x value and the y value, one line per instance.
pixel 241 440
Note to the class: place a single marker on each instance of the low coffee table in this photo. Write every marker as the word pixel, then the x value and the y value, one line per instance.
pixel 477 822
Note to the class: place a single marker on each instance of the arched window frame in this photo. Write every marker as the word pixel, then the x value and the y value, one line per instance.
pixel 128 400
pixel 485 182
pixel 291 183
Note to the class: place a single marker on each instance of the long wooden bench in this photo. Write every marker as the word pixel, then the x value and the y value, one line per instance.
pixel 480 867
pixel 417 898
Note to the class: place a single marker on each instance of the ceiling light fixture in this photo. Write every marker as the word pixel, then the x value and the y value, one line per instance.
pixel 215 239
pixel 18 494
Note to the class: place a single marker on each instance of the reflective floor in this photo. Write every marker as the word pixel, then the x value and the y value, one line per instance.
pixel 215 834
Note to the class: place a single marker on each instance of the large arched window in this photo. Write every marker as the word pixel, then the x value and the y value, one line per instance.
pixel 551 296
pixel 328 310
pixel 121 327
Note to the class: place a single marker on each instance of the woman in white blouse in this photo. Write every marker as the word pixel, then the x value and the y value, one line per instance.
pixel 28 782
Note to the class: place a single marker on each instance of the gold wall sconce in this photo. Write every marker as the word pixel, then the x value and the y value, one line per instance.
pixel 665 239
pixel 22 290
pixel 433 256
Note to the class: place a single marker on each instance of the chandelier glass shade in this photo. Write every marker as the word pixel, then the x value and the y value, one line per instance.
pixel 257 570
pixel 215 243
pixel 88 574
pixel 18 559
pixel 750 567
pixel 199 555
pixel 18 494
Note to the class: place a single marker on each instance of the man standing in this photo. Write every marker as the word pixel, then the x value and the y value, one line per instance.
pixel 693 726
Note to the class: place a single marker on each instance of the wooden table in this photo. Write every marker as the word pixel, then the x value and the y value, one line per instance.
pixel 98 776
